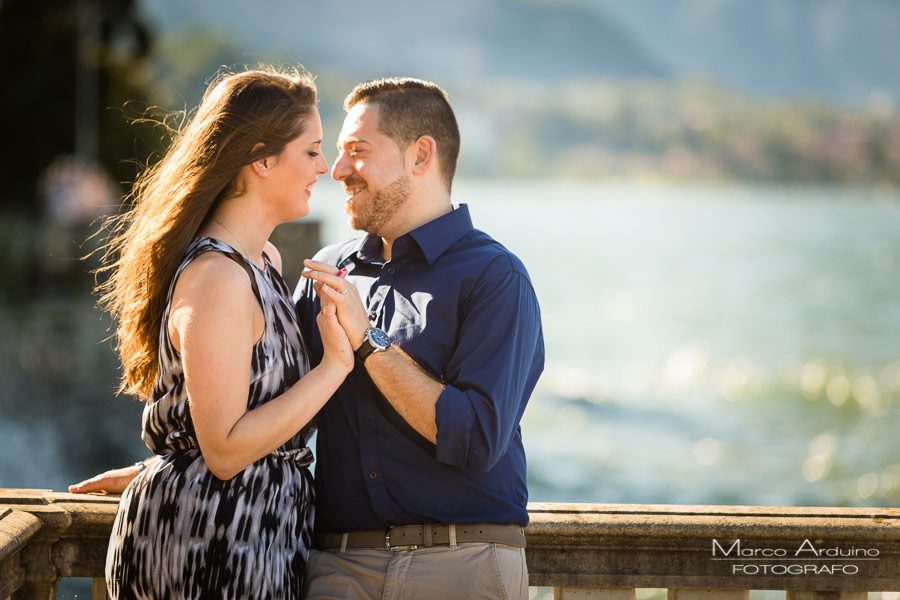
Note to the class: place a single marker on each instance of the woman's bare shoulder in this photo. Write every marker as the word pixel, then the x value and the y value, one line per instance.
pixel 214 275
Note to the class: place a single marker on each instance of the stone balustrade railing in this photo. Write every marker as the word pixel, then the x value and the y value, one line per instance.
pixel 600 551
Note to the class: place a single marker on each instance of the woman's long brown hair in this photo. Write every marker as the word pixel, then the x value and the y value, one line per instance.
pixel 173 198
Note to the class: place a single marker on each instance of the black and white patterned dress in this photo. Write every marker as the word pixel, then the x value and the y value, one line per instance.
pixel 183 533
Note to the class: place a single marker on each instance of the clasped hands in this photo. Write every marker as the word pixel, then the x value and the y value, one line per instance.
pixel 338 295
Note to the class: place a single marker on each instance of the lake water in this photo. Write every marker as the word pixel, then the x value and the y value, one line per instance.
pixel 726 344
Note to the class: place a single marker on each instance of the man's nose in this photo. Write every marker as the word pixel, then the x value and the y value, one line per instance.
pixel 341 168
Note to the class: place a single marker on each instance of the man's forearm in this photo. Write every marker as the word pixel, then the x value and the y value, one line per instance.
pixel 409 389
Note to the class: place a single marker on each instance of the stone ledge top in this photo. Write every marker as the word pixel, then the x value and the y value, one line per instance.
pixel 579 524
pixel 564 508
pixel 11 497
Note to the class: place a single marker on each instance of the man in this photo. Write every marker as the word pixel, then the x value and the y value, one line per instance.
pixel 422 440
pixel 420 476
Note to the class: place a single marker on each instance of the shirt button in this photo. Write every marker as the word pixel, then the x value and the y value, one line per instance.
pixel 373 475
pixel 391 270
pixel 372 316
pixel 367 421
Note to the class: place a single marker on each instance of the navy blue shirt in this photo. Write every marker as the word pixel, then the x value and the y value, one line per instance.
pixel 463 307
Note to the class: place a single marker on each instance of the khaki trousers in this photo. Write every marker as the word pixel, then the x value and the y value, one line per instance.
pixel 474 570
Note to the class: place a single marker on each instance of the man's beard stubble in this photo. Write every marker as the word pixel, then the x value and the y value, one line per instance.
pixel 381 207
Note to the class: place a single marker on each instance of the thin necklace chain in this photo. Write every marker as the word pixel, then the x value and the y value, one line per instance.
pixel 236 238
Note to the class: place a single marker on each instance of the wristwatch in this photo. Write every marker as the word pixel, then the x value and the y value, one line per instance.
pixel 376 340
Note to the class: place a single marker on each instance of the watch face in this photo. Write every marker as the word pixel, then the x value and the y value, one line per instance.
pixel 379 339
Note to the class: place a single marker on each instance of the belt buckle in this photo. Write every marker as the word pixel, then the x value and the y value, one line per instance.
pixel 391 548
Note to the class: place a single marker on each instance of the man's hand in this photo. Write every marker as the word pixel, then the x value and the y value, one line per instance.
pixel 334 289
pixel 113 481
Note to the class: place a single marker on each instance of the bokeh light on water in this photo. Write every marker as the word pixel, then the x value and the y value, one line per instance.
pixel 709 344
pixel 729 344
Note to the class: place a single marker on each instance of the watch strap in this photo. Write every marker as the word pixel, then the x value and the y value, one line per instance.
pixel 365 350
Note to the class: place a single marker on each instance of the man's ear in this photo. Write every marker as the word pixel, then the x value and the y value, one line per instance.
pixel 425 149
pixel 263 166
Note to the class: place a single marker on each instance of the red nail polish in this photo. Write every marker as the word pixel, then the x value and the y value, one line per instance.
pixel 342 272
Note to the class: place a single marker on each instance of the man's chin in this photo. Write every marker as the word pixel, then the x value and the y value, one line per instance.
pixel 356 223
pixel 352 217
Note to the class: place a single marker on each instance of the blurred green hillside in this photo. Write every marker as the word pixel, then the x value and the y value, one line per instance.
pixel 801 91
pixel 831 49
pixel 652 127
pixel 683 130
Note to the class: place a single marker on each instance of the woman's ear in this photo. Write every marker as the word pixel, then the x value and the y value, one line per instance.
pixel 425 150
pixel 262 166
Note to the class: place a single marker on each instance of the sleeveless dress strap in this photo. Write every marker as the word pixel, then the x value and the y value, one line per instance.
pixel 195 249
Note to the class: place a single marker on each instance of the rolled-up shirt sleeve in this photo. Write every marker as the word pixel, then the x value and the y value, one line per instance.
pixel 496 364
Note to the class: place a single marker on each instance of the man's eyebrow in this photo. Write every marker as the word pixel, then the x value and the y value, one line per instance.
pixel 348 141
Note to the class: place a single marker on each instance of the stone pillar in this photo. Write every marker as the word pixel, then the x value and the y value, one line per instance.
pixel 98 589
pixel 709 595
pixel 570 593
pixel 16 530
pixel 827 595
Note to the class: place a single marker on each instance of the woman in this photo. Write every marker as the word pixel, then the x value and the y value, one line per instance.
pixel 207 334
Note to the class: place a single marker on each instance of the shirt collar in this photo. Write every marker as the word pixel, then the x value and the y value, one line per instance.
pixel 369 249
pixel 435 237
pixel 432 238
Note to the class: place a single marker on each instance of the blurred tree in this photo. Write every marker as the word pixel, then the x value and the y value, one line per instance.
pixel 70 73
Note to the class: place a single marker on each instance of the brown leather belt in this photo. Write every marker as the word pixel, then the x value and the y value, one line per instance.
pixel 410 537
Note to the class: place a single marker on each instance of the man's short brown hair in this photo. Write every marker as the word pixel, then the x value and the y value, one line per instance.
pixel 410 108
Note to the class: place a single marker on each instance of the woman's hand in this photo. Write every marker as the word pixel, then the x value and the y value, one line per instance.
pixel 335 291
pixel 338 353
pixel 113 481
